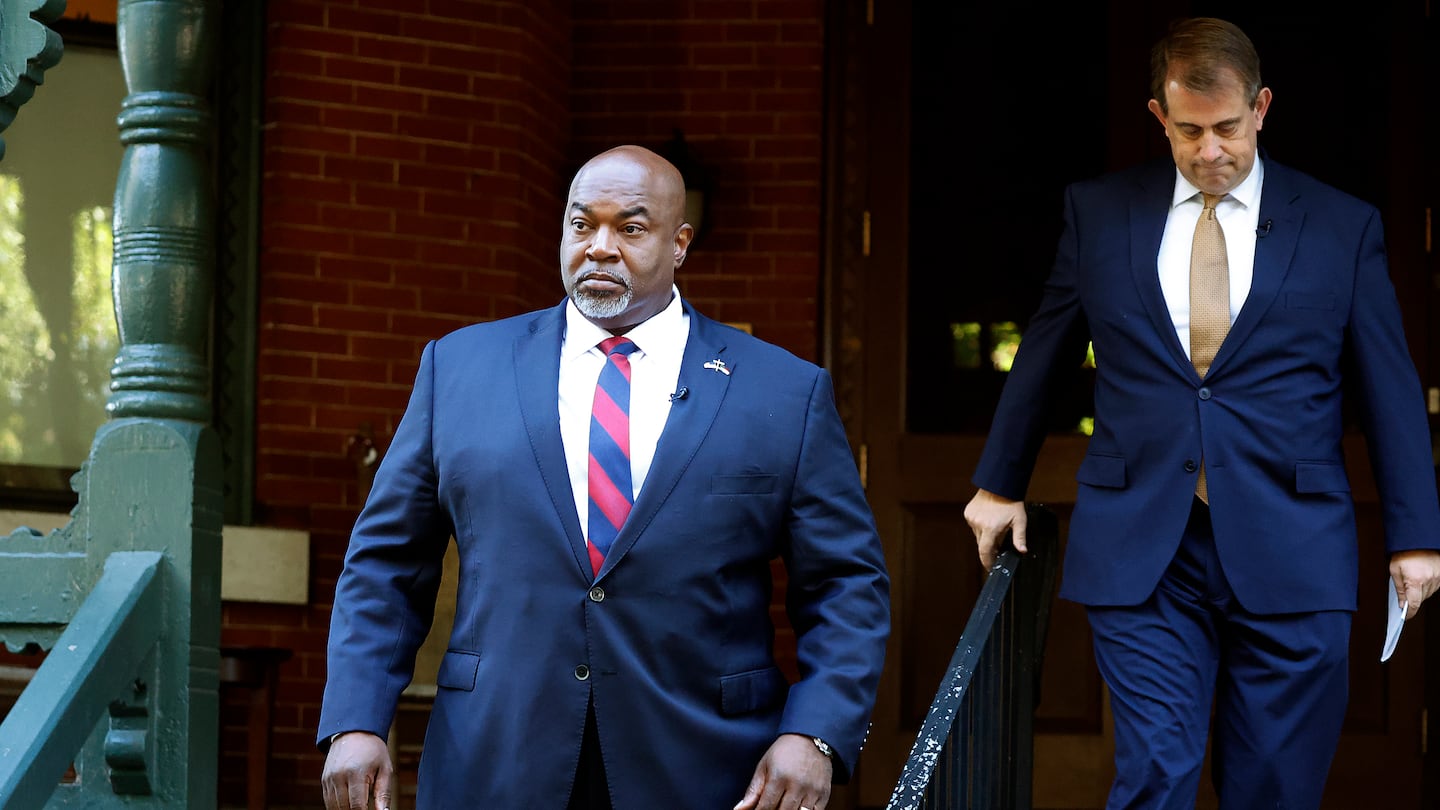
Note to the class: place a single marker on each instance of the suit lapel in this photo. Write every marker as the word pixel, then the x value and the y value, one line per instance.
pixel 689 422
pixel 537 374
pixel 1148 212
pixel 1273 252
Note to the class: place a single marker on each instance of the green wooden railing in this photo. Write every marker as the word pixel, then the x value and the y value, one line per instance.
pixel 126 597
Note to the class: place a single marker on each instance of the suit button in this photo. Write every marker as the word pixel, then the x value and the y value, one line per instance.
pixel 1190 465
pixel 1204 393
pixel 582 673
pixel 597 594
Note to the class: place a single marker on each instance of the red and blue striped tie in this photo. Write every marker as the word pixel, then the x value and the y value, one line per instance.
pixel 611 491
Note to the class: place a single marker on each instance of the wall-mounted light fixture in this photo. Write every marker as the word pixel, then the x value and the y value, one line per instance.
pixel 697 181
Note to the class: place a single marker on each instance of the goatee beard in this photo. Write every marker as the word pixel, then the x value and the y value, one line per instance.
pixel 602 306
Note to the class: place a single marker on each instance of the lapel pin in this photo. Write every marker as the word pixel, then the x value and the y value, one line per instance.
pixel 718 365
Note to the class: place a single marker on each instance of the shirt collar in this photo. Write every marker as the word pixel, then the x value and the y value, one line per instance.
pixel 659 334
pixel 1247 193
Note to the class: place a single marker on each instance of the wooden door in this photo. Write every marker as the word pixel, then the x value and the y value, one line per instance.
pixel 953 131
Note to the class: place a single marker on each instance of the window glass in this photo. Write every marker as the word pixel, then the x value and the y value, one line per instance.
pixel 57 324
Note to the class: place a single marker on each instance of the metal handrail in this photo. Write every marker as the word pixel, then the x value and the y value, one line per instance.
pixel 975 748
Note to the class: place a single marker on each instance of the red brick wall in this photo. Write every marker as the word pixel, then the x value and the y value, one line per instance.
pixel 742 79
pixel 413 171
pixel 416 158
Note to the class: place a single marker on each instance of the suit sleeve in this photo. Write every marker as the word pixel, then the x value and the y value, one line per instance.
pixel 385 597
pixel 1392 406
pixel 1050 354
pixel 838 598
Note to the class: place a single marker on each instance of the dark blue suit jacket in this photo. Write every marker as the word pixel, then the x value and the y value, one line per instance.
pixel 1266 419
pixel 677 650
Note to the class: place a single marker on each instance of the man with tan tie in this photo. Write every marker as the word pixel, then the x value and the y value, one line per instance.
pixel 1213 540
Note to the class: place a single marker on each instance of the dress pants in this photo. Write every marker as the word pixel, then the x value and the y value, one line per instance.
pixel 591 791
pixel 1278 683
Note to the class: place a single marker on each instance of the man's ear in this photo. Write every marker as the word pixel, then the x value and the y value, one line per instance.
pixel 682 242
pixel 1159 114
pixel 1262 105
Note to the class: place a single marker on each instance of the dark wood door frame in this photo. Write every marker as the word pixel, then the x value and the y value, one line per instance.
pixel 855 174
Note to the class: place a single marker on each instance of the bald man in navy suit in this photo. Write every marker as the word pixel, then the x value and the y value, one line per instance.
pixel 629 667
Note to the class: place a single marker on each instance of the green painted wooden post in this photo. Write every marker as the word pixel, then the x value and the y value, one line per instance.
pixel 164 267
pixel 150 486
pixel 164 213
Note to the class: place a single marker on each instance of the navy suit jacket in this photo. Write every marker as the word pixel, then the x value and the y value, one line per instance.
pixel 1266 419
pixel 673 640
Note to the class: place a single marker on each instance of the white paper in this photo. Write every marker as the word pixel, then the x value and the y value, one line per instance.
pixel 1395 623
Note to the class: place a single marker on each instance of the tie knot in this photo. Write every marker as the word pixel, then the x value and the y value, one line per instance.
pixel 1211 200
pixel 617 345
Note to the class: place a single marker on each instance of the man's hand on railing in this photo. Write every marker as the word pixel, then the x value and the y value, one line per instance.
pixel 793 774
pixel 990 516
pixel 357 770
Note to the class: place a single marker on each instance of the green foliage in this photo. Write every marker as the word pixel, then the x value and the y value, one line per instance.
pixel 30 348
pixel 24 336
pixel 94 339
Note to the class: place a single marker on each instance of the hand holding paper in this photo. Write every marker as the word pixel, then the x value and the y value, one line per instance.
pixel 1417 576
pixel 1395 623
pixel 1418 572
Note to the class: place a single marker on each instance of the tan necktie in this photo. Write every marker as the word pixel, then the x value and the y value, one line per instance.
pixel 1209 300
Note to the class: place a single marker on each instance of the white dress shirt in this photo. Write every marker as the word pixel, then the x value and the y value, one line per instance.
pixel 1239 215
pixel 654 371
